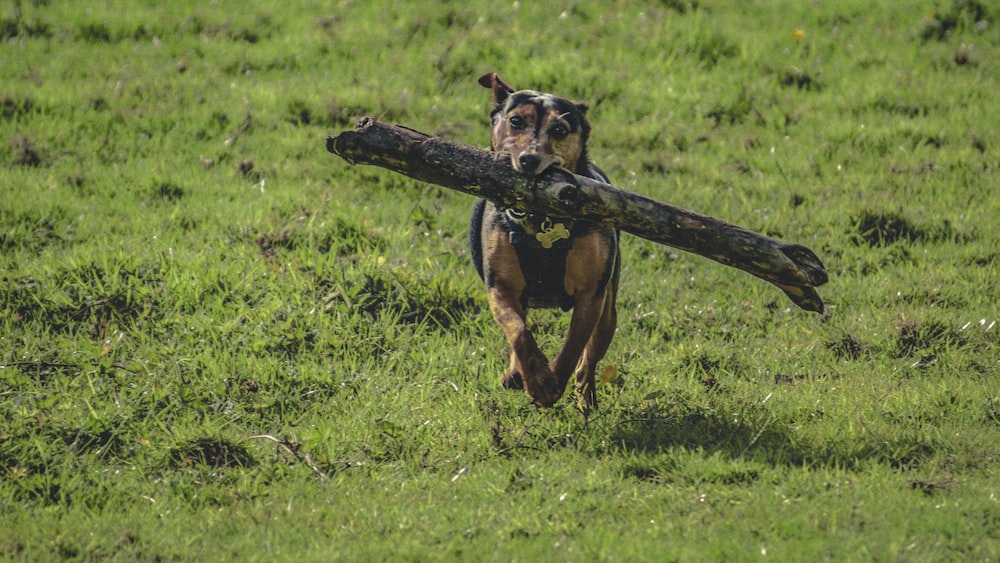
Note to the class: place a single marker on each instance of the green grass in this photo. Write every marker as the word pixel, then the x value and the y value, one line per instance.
pixel 217 341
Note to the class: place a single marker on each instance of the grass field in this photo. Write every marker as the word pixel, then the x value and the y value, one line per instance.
pixel 217 341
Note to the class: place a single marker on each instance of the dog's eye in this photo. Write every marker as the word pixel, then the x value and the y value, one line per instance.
pixel 517 122
pixel 559 132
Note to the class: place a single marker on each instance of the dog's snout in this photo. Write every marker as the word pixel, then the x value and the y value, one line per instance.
pixel 529 162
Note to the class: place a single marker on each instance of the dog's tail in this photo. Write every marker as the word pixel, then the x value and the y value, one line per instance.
pixel 476 235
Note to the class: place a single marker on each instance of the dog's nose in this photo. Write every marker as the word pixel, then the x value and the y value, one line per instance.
pixel 529 162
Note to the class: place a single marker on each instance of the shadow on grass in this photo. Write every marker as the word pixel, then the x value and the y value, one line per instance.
pixel 766 441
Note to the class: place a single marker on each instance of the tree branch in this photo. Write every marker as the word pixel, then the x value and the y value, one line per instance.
pixel 793 268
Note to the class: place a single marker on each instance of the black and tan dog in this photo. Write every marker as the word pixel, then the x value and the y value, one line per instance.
pixel 532 261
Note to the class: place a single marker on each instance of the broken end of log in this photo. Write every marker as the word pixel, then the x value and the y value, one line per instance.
pixel 349 143
pixel 805 297
pixel 809 264
pixel 331 147
pixel 811 269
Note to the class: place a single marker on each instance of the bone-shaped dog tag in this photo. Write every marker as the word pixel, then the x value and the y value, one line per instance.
pixel 551 233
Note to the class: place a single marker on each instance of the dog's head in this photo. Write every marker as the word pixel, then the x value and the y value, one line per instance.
pixel 536 129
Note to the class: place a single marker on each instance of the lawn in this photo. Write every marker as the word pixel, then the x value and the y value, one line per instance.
pixel 218 341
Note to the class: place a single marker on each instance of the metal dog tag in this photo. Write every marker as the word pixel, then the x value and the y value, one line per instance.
pixel 550 233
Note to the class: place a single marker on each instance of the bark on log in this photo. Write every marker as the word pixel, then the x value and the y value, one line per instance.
pixel 558 193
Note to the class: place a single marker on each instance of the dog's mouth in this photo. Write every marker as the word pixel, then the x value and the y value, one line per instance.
pixel 533 163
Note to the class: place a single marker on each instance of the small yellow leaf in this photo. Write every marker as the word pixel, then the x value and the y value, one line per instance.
pixel 609 373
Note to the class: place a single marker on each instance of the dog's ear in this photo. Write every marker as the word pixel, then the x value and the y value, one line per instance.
pixel 583 107
pixel 500 88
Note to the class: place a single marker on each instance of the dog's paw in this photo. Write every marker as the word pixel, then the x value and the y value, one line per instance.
pixel 586 400
pixel 534 376
pixel 543 387
pixel 511 380
pixel 545 398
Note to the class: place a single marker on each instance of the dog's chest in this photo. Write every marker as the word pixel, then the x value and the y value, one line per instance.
pixel 541 245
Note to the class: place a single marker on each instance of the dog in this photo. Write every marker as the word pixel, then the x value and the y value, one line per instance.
pixel 532 261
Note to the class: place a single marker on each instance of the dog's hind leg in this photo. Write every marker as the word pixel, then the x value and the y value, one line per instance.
pixel 590 330
pixel 586 314
pixel 591 279
pixel 596 348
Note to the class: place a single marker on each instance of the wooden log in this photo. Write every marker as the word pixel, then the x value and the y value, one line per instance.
pixel 795 269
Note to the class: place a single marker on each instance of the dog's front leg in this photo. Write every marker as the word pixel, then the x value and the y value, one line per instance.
pixel 528 366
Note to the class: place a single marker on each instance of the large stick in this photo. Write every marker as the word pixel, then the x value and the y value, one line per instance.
pixel 558 193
